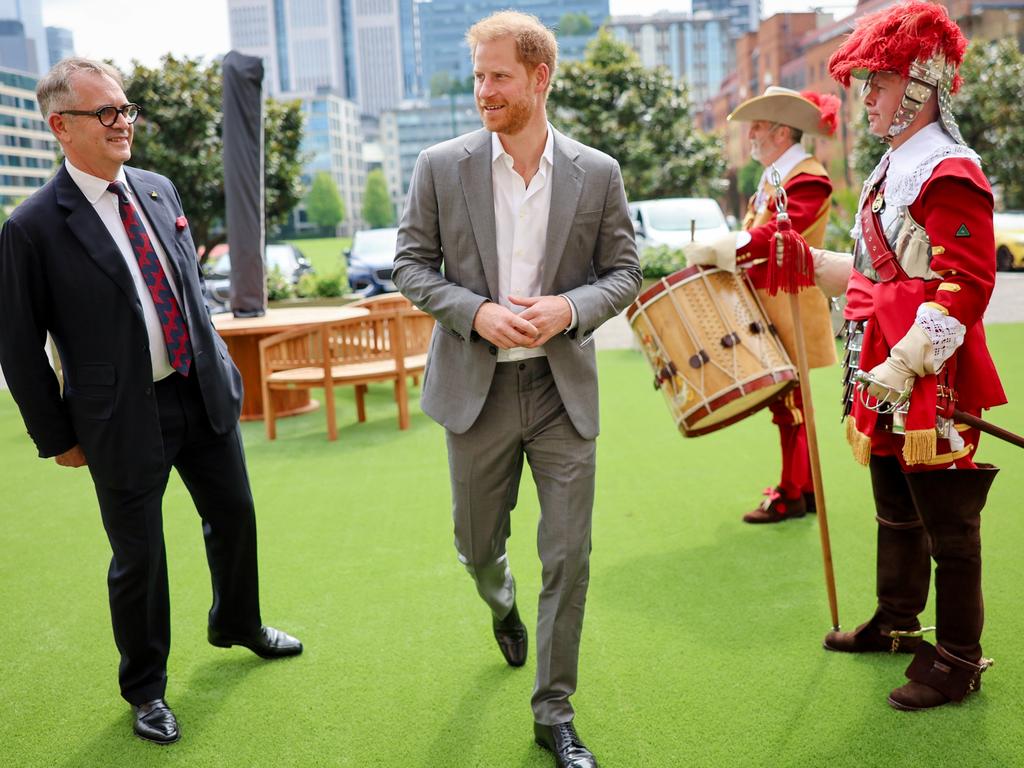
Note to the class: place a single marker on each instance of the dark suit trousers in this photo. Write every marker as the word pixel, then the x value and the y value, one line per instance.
pixel 213 469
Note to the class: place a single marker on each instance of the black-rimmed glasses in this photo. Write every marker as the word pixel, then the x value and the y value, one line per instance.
pixel 108 115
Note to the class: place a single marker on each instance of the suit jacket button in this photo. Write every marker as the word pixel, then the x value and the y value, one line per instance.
pixel 492 349
pixel 149 390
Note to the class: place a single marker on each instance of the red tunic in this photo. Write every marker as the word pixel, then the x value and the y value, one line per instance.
pixel 807 196
pixel 955 209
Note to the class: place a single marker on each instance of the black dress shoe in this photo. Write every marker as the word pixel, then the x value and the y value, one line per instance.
pixel 268 642
pixel 511 636
pixel 562 740
pixel 155 722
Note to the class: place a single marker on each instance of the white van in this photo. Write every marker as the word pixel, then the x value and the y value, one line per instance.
pixel 668 221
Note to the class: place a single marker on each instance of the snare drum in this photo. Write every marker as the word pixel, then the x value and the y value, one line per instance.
pixel 716 356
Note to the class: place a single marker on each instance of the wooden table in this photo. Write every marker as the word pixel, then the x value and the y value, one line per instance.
pixel 243 335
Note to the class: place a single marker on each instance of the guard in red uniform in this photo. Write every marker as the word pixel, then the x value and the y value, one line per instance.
pixel 923 272
pixel 778 120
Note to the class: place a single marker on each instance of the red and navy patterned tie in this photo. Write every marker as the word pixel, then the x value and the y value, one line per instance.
pixel 179 350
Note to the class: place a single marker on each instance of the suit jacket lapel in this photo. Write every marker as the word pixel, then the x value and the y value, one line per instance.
pixel 567 184
pixel 475 174
pixel 87 226
pixel 160 220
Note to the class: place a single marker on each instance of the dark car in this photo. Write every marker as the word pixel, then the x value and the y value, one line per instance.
pixel 286 257
pixel 370 261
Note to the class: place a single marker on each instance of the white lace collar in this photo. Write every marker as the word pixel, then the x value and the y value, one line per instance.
pixel 911 165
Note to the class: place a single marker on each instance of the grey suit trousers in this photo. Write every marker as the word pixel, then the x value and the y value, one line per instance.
pixel 523 416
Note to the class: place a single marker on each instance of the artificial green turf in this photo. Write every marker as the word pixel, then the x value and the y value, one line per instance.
pixel 702 638
pixel 326 254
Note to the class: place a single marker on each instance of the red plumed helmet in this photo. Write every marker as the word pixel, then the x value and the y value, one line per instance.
pixel 893 39
pixel 828 106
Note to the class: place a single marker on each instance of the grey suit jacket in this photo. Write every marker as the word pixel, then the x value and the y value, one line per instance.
pixel 447 264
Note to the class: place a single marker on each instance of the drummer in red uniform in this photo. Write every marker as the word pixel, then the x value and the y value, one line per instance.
pixel 923 272
pixel 778 120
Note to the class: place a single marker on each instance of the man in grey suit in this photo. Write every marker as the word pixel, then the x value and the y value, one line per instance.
pixel 518 241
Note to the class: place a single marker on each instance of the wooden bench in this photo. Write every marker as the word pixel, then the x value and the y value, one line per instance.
pixel 384 302
pixel 380 347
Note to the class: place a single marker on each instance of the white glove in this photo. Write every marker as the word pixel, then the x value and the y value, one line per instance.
pixel 718 253
pixel 832 270
pixel 911 357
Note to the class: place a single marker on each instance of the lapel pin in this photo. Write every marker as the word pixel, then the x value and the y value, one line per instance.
pixel 154 195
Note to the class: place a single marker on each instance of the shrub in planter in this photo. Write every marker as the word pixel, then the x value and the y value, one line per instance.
pixel 329 286
pixel 661 260
pixel 278 286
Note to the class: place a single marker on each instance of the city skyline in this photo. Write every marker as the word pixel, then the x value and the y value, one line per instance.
pixel 173 28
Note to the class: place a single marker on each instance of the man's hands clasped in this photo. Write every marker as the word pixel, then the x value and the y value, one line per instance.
pixel 542 318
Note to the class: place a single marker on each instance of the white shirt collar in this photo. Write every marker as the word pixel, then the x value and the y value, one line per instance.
pixel 786 162
pixel 911 153
pixel 497 149
pixel 92 187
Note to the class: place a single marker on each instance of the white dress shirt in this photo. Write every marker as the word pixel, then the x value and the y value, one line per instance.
pixel 105 205
pixel 521 225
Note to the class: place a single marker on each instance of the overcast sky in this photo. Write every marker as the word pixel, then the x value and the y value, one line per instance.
pixel 128 29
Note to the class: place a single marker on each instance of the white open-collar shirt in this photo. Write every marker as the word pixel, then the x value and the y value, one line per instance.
pixel 521 225
pixel 104 203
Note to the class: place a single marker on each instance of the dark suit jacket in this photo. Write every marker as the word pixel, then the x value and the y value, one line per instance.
pixel 60 272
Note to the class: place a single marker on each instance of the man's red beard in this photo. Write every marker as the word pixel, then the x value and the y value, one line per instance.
pixel 512 119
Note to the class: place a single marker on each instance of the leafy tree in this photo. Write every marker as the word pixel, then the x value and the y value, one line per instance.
pixel 377 208
pixel 282 160
pixel 990 112
pixel 867 149
pixel 443 84
pixel 180 136
pixel 748 177
pixel 641 117
pixel 575 24
pixel 324 205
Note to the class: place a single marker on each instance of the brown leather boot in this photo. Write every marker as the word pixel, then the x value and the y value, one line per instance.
pixel 902 568
pixel 775 508
pixel 871 637
pixel 937 677
pixel 950 503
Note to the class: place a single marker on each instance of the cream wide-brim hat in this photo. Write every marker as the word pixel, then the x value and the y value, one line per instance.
pixel 784 106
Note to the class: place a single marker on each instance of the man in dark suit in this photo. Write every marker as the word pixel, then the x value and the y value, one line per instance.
pixel 101 258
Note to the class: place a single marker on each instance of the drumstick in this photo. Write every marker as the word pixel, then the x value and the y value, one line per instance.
pixel 693 230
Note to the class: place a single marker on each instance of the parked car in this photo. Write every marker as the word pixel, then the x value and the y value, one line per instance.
pixel 370 261
pixel 668 221
pixel 286 257
pixel 1009 228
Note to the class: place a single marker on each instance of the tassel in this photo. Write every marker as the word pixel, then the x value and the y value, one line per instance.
pixel 859 443
pixel 793 266
pixel 919 446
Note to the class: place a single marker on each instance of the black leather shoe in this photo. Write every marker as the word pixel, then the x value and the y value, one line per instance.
pixel 562 740
pixel 511 636
pixel 269 643
pixel 155 722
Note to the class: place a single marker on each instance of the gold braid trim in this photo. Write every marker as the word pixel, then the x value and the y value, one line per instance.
pixel 859 443
pixel 919 446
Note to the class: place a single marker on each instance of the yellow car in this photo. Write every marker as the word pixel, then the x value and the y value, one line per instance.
pixel 1009 240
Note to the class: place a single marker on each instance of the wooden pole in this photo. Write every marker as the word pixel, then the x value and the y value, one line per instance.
pixel 812 449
